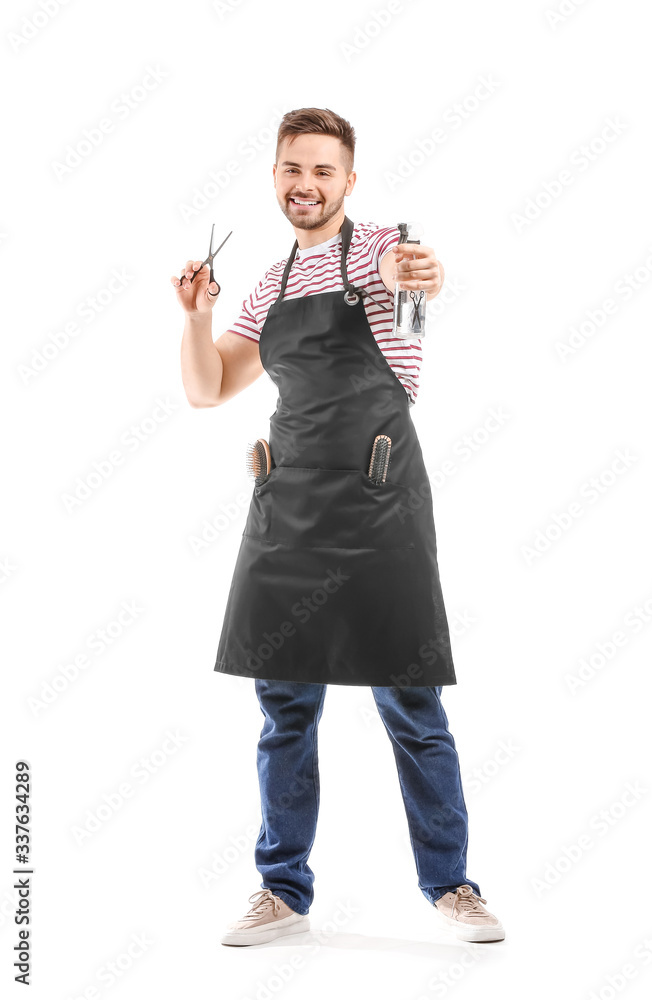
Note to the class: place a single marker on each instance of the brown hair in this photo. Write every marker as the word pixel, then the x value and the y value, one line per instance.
pixel 305 121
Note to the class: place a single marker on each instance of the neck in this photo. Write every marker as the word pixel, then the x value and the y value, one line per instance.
pixel 307 238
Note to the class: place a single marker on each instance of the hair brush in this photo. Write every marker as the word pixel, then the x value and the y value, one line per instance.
pixel 380 458
pixel 259 460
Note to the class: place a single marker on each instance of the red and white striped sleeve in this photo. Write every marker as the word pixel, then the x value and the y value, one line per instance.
pixel 381 241
pixel 246 324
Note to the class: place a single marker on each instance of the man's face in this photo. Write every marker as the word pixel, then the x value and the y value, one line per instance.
pixel 310 168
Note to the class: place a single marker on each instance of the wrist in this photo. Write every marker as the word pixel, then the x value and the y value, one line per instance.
pixel 197 318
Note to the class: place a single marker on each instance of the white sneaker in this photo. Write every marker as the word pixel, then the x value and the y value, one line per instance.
pixel 268 918
pixel 463 911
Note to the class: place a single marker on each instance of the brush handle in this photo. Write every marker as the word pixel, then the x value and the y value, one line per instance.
pixel 380 458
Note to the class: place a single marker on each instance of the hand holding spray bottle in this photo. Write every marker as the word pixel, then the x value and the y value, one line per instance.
pixel 409 305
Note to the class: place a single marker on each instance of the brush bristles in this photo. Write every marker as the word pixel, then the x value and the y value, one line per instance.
pixel 258 460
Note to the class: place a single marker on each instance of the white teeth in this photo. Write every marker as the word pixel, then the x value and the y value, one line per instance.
pixel 297 202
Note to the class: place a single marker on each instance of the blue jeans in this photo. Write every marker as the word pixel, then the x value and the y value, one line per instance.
pixel 428 772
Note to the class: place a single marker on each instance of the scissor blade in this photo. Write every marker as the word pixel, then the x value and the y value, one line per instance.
pixel 221 244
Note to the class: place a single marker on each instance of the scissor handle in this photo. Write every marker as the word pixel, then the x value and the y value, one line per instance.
pixel 209 260
pixel 197 272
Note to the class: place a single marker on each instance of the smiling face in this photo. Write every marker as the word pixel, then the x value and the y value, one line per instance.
pixel 310 169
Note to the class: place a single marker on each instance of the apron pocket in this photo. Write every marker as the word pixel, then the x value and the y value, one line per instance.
pixel 330 508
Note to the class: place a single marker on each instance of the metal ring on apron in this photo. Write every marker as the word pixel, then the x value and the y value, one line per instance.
pixel 351 298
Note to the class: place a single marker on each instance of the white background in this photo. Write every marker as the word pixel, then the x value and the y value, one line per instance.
pixel 526 265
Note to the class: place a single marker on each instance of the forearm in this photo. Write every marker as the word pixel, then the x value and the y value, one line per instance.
pixel 201 364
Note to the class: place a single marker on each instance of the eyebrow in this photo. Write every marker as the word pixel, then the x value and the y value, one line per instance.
pixel 290 163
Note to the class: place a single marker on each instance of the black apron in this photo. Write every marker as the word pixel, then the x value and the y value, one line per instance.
pixel 336 579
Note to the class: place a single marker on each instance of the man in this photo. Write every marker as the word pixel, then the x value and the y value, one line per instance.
pixel 336 579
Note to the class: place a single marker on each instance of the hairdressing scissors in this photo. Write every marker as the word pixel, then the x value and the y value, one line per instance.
pixel 209 260
pixel 417 298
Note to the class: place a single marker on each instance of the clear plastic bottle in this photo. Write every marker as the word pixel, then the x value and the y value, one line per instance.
pixel 409 303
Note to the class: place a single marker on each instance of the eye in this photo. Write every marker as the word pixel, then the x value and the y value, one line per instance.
pixel 291 170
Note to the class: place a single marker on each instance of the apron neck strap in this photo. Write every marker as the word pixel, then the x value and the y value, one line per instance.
pixel 346 231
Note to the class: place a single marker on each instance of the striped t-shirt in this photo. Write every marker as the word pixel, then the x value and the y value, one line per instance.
pixel 317 269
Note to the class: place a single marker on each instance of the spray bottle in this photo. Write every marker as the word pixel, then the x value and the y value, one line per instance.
pixel 409 304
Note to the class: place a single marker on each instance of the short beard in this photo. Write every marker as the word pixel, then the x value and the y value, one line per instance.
pixel 328 212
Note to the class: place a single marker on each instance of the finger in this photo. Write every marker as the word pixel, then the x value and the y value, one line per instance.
pixel 199 269
pixel 423 264
pixel 413 286
pixel 410 248
pixel 408 277
pixel 417 279
pixel 190 267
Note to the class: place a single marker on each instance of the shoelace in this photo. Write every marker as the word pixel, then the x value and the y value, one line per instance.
pixel 261 900
pixel 466 901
